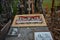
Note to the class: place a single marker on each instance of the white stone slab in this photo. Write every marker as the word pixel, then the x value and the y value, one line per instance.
pixel 42 36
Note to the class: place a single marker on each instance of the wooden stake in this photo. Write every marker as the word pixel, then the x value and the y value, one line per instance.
pixel 32 6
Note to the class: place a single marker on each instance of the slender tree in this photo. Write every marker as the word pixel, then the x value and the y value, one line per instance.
pixel 52 10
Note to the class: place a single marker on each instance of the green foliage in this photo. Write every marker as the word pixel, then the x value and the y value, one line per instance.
pixel 49 3
pixel 57 2
pixel 14 4
pixel 45 2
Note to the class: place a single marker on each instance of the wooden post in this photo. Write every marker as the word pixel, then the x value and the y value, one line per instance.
pixel 32 6
pixel 46 8
pixel 52 11
pixel 52 17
